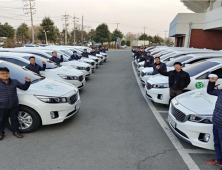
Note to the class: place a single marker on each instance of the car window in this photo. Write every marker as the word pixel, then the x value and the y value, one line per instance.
pixel 19 73
pixel 199 67
pixel 44 56
pixel 197 60
pixel 179 59
pixel 65 58
pixel 218 72
pixel 15 61
pixel 203 76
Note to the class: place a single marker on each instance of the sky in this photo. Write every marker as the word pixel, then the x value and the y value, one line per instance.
pixel 133 15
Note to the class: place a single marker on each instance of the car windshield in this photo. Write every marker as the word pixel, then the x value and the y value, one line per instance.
pixel 163 57
pixel 179 59
pixel 19 73
pixel 65 58
pixel 39 60
pixel 79 53
pixel 199 67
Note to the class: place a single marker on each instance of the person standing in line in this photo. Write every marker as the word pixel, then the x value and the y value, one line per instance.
pixel 178 79
pixel 85 53
pixel 35 67
pixel 97 50
pixel 136 53
pixel 9 104
pixel 74 56
pixel 55 59
pixel 142 55
pixel 149 60
pixel 103 50
pixel 217 121
pixel 158 63
pixel 93 52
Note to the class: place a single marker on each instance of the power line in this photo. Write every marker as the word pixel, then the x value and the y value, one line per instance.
pixel 65 18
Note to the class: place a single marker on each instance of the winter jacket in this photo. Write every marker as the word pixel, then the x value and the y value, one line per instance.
pixel 162 67
pixel 36 68
pixel 136 54
pixel 217 114
pixel 93 53
pixel 102 50
pixel 74 57
pixel 8 93
pixel 56 60
pixel 85 55
pixel 177 80
pixel 151 61
pixel 142 56
pixel 97 52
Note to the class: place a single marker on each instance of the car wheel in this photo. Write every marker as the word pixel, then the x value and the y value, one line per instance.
pixel 29 120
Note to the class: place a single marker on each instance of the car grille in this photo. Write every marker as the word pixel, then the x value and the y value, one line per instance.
pixel 96 60
pixel 73 99
pixel 80 78
pixel 142 74
pixel 180 116
pixel 92 63
pixel 148 86
pixel 87 68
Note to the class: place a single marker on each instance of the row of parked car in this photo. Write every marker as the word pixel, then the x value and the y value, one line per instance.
pixel 53 95
pixel 190 114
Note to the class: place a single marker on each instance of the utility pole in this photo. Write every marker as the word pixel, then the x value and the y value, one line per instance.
pixel 165 33
pixel 82 31
pixel 74 30
pixel 65 18
pixel 29 7
pixel 144 36
pixel 117 24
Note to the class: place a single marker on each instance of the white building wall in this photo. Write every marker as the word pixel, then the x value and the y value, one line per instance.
pixel 213 19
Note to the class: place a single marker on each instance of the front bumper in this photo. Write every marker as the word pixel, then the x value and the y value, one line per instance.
pixel 190 131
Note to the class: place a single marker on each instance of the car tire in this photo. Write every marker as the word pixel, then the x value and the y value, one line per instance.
pixel 33 123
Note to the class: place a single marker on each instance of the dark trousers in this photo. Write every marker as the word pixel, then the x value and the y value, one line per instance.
pixel 217 131
pixel 174 93
pixel 5 114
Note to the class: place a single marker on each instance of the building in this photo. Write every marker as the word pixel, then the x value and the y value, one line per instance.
pixel 201 29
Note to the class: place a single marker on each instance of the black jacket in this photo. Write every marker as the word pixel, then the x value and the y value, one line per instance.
pixel 103 50
pixel 85 54
pixel 177 81
pixel 162 67
pixel 217 114
pixel 136 54
pixel 56 60
pixel 8 93
pixel 151 61
pixel 74 57
pixel 36 68
pixel 93 53
pixel 97 52
pixel 142 56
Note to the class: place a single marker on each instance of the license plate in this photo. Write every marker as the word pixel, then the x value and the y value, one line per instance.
pixel 172 122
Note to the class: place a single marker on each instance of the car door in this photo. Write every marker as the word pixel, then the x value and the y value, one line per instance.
pixel 15 61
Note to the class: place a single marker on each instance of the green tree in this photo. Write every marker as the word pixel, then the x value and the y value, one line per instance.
pixel 123 42
pixel 157 39
pixel 169 41
pixel 51 30
pixel 23 31
pixel 143 37
pixel 7 30
pixel 116 33
pixel 150 38
pixel 102 33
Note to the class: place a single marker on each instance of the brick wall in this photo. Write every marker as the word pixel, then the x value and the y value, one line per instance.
pixel 211 39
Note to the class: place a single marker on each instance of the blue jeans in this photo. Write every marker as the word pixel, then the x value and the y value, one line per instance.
pixel 217 131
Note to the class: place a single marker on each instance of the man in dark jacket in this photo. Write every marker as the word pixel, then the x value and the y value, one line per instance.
pixel 97 50
pixel 142 55
pixel 85 53
pixel 158 63
pixel 136 53
pixel 55 59
pixel 217 121
pixel 93 52
pixel 103 50
pixel 74 56
pixel 149 60
pixel 178 79
pixel 9 105
pixel 35 67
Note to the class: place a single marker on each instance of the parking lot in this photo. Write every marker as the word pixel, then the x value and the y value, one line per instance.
pixel 115 129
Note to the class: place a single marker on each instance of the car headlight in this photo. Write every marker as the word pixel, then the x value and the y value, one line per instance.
pixel 199 119
pixel 68 77
pixel 47 99
pixel 81 68
pixel 160 85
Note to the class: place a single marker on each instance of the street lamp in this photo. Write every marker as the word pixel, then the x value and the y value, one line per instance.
pixel 45 36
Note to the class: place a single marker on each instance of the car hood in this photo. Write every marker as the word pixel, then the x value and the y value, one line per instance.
pixel 170 68
pixel 75 63
pixel 86 59
pixel 148 70
pixel 50 87
pixel 198 101
pixel 159 79
pixel 99 55
pixel 141 63
pixel 66 70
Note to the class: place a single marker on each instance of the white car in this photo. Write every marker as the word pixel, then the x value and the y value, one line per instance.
pixel 186 60
pixel 47 101
pixel 157 87
pixel 190 117
pixel 83 67
pixel 67 74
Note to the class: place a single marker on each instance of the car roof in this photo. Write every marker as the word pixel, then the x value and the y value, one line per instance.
pixel 210 54
pixel 17 54
pixel 25 49
pixel 218 60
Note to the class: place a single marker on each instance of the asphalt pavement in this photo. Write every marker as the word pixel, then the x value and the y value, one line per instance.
pixel 114 130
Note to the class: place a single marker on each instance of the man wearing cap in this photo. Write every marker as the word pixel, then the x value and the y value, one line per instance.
pixel 178 79
pixel 74 56
pixel 85 53
pixel 35 67
pixel 217 121
pixel 149 60
pixel 55 59
pixel 9 104
pixel 142 55
pixel 158 63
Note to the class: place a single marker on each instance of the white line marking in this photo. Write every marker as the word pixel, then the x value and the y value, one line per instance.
pixel 199 151
pixel 185 156
pixel 163 111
